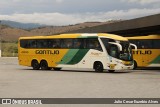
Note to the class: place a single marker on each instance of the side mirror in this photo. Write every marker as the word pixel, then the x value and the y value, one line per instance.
pixel 135 47
pixel 117 44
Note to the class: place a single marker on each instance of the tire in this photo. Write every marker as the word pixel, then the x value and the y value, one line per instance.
pixel 135 65
pixel 98 66
pixel 44 65
pixel 35 65
pixel 57 69
pixel 111 71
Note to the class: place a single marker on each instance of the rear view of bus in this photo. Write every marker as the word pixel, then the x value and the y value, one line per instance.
pixel 91 51
pixel 148 53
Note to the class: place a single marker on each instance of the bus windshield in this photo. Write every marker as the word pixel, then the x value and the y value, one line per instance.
pixel 113 50
pixel 126 53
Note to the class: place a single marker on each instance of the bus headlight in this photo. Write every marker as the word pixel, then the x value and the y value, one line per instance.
pixel 127 62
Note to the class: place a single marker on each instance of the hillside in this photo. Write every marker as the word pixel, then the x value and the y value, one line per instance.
pixel 8 33
pixel 11 34
pixel 20 25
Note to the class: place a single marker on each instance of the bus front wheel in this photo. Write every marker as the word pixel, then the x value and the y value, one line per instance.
pixel 111 71
pixel 44 65
pixel 57 69
pixel 35 65
pixel 98 66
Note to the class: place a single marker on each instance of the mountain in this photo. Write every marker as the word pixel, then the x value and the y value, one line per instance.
pixel 20 25
pixel 8 33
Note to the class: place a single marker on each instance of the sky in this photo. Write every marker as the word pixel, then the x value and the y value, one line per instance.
pixel 68 12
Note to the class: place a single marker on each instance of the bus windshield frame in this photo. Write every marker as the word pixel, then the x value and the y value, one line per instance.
pixel 114 51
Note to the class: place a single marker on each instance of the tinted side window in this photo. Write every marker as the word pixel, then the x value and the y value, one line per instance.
pixel 42 43
pixel 93 44
pixel 143 44
pixel 54 43
pixel 32 44
pixel 23 43
pixel 67 43
pixel 156 44
pixel 72 43
pixel 136 42
pixel 146 44
pixel 79 44
pixel 28 43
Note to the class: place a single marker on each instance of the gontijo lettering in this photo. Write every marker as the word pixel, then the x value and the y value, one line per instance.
pixel 47 52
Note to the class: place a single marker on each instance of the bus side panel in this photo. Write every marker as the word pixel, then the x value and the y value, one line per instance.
pixel 52 56
pixel 82 58
pixel 91 57
pixel 54 59
pixel 147 57
pixel 72 58
pixel 138 58
pixel 154 59
pixel 25 56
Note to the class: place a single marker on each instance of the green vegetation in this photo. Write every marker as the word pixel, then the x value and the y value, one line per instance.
pixel 9 49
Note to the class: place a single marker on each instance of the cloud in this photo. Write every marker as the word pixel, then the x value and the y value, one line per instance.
pixel 66 19
pixel 142 1
pixel 59 1
pixel 16 0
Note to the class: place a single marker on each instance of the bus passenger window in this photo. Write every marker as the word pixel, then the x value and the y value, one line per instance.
pixel 97 45
pixel 146 44
pixel 24 43
pixel 156 44
pixel 94 44
pixel 69 43
pixel 42 43
pixel 32 44
pixel 55 43
pixel 66 43
pixel 78 44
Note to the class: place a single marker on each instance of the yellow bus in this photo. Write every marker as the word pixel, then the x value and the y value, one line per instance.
pixel 148 53
pixel 95 51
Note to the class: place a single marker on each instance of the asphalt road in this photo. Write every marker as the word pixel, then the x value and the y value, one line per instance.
pixel 23 82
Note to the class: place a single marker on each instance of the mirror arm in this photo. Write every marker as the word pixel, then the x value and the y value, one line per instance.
pixel 117 44
pixel 134 46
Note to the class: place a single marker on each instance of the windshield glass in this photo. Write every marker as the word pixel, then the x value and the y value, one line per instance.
pixel 125 54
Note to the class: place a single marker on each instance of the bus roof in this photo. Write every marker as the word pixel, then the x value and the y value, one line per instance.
pixel 145 37
pixel 80 35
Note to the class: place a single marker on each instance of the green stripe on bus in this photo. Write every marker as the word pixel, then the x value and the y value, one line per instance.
pixel 156 60
pixel 68 56
pixel 79 56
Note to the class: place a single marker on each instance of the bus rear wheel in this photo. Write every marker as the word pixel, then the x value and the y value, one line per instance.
pixel 35 65
pixel 44 65
pixel 98 66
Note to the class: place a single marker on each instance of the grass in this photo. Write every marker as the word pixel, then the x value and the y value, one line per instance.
pixel 9 49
